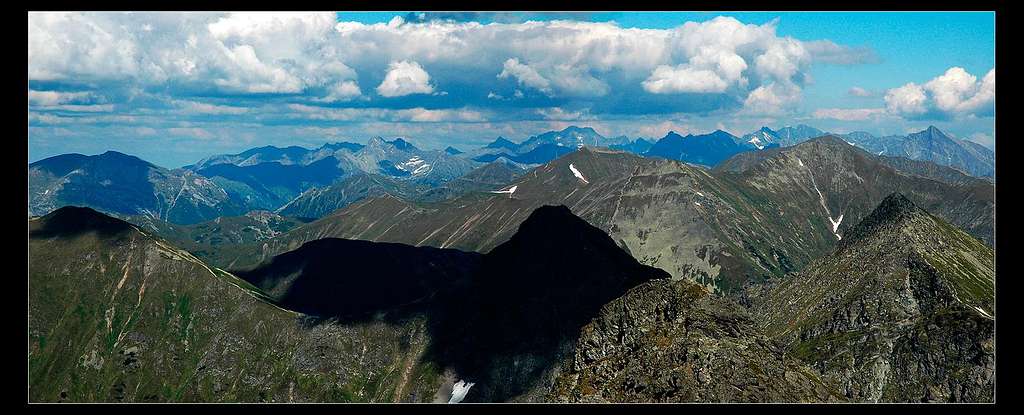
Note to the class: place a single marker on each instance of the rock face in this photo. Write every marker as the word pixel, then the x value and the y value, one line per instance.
pixel 902 311
pixel 668 341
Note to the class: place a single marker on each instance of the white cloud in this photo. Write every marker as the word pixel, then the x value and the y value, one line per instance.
pixel 666 79
pixel 844 114
pixel 419 114
pixel 405 78
pixel 235 53
pixel 311 53
pixel 83 108
pixel 525 75
pixel 559 114
pixel 194 107
pixel 908 99
pixel 343 91
pixel 952 94
pixel 772 99
pixel 52 98
pixel 957 91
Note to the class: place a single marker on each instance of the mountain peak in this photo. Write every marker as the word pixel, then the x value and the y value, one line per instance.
pixel 501 142
pixel 452 150
pixel 672 134
pixel 70 221
pixel 555 226
pixel 116 155
pixel 401 144
pixel 894 209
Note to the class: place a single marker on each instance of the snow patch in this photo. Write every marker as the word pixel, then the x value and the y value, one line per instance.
pixel 459 391
pixel 835 223
pixel 509 191
pixel 835 226
pixel 577 173
pixel 757 143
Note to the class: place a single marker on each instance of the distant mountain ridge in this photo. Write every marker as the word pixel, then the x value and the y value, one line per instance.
pixel 126 185
pixel 705 149
pixel 267 178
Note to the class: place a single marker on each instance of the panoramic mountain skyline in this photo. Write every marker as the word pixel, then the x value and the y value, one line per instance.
pixel 173 88
pixel 512 207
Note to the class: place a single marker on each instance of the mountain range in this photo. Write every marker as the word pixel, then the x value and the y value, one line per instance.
pixel 759 214
pixel 788 265
pixel 271 178
pixel 559 312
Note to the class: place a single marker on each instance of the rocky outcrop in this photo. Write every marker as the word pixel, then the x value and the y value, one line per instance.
pixel 902 311
pixel 668 341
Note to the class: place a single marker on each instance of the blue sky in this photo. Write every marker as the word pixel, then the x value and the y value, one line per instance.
pixel 173 88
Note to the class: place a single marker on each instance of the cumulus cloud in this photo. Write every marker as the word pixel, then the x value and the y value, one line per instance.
pixel 314 55
pixel 405 78
pixel 342 91
pixel 270 71
pixel 255 53
pixel 750 62
pixel 682 78
pixel 957 91
pixel 952 94
pixel 772 99
pixel 525 75
pixel 908 99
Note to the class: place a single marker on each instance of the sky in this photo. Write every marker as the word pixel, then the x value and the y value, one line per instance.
pixel 173 88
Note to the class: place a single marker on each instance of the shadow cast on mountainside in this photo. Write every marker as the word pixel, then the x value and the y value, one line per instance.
pixel 72 221
pixel 500 320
